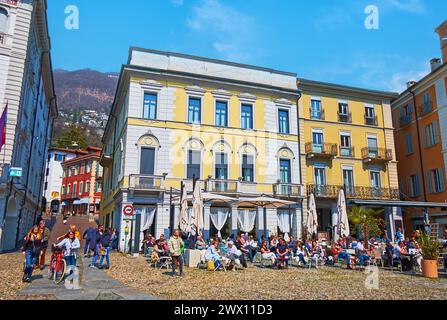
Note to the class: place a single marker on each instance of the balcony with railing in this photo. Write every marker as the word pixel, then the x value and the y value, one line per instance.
pixel 425 108
pixel 371 121
pixel 347 152
pixel 353 192
pixel 405 119
pixel 288 190
pixel 377 155
pixel 222 186
pixel 147 183
pixel 317 114
pixel 345 117
pixel 325 150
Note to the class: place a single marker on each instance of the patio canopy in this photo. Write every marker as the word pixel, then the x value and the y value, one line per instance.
pixel 405 204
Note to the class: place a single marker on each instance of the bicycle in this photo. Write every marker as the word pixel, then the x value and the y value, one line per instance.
pixel 58 265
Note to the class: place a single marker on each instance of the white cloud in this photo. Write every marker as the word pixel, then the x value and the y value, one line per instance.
pixel 177 3
pixel 413 6
pixel 398 81
pixel 232 30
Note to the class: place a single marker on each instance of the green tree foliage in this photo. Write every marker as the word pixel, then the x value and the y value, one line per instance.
pixel 71 135
pixel 367 221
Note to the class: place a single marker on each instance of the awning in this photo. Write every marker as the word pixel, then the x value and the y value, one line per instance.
pixel 97 201
pixel 76 202
pixel 404 204
pixel 84 201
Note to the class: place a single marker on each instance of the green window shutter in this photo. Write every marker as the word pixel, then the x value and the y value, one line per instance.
pixel 424 137
pixel 442 177
pixel 436 131
pixel 429 182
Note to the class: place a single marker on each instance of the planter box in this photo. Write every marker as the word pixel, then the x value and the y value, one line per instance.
pixel 430 269
pixel 192 258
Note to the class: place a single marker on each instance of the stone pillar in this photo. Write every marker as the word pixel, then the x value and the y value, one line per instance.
pixel 233 221
pixel 389 218
pixel 272 222
pixel 162 221
pixel 296 227
pixel 206 222
pixel 260 223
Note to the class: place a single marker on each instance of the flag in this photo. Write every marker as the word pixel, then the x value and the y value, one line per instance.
pixel 3 121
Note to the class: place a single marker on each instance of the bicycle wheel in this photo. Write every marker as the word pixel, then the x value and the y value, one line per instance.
pixel 59 272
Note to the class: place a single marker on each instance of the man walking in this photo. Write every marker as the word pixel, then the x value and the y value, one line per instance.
pixel 90 236
pixel 175 245
pixel 45 232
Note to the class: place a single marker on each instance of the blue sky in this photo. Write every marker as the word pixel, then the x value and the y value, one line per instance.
pixel 319 40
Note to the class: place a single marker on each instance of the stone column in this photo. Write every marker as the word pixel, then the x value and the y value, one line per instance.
pixel 206 221
pixel 334 214
pixel 233 220
pixel 260 223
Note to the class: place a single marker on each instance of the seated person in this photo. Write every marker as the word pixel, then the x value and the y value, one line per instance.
pixel 251 245
pixel 273 243
pixel 389 253
pixel 282 253
pixel 362 252
pixel 200 243
pixel 233 254
pixel 267 254
pixel 162 246
pixel 401 255
pixel 308 245
pixel 317 252
pixel 341 254
pixel 299 253
pixel 212 254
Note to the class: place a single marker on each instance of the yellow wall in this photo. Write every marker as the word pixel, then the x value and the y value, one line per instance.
pixel 331 131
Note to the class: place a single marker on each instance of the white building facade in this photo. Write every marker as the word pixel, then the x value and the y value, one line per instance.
pixel 26 85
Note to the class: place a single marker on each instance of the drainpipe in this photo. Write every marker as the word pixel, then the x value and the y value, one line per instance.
pixel 299 156
pixel 421 162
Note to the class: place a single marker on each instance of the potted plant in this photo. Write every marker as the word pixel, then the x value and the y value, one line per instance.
pixel 430 253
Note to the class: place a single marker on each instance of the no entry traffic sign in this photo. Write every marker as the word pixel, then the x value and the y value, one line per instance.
pixel 128 210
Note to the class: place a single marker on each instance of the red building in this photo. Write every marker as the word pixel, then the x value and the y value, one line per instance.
pixel 82 183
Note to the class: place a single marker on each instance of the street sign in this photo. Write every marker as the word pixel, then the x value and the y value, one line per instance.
pixel 15 172
pixel 128 210
pixel 91 209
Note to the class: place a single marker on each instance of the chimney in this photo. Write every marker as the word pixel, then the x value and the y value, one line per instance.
pixel 442 32
pixel 410 84
pixel 435 64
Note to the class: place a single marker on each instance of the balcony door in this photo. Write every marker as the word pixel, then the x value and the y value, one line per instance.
pixel 345 141
pixel 316 110
pixel 373 147
pixel 147 168
pixel 348 180
pixel 320 180
pixel 221 171
pixel 376 185
pixel 317 141
pixel 285 175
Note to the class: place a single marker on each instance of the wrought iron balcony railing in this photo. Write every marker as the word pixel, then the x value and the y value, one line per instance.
pixel 371 120
pixel 143 182
pixel 348 152
pixel 347 118
pixel 354 192
pixel 425 108
pixel 406 119
pixel 289 190
pixel 326 150
pixel 377 155
pixel 317 114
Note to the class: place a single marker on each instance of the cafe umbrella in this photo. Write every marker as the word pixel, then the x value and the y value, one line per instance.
pixel 264 202
pixel 312 218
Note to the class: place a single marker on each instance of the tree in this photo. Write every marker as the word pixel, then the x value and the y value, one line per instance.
pixel 368 221
pixel 72 135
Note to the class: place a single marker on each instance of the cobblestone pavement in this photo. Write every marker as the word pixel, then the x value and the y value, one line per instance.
pixel 265 284
pixel 11 267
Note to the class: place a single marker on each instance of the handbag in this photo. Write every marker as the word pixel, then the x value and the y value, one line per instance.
pixel 102 251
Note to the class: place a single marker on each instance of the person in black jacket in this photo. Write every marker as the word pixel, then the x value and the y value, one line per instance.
pixel 105 247
pixel 31 251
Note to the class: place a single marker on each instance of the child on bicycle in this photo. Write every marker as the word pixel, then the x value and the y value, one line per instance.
pixel 71 245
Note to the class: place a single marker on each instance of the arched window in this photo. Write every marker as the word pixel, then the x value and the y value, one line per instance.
pixel 194 150
pixel 248 155
pixel 285 158
pixel 3 20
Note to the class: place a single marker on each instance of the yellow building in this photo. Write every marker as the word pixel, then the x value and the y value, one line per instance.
pixel 233 126
pixel 347 142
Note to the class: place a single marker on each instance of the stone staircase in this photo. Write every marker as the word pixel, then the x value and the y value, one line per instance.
pixel 58 228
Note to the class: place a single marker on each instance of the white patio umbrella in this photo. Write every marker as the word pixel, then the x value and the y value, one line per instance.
pixel 343 221
pixel 183 216
pixel 312 218
pixel 211 197
pixel 197 208
pixel 265 203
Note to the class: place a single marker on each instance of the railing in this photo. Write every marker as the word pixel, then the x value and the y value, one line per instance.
pixel 347 118
pixel 348 152
pixel 371 120
pixel 288 190
pixel 317 114
pixel 377 154
pixel 325 149
pixel 224 186
pixel 354 192
pixel 146 182
pixel 406 119
pixel 425 108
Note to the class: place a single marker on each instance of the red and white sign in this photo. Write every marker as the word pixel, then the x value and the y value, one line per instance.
pixel 128 210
